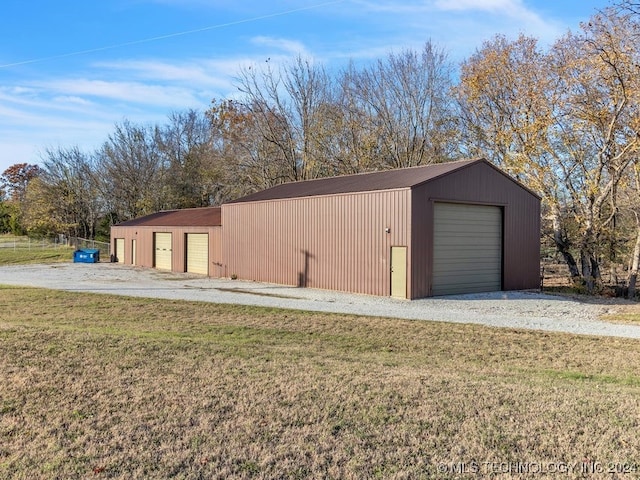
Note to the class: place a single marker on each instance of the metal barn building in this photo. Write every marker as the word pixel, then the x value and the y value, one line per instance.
pixel 448 228
pixel 416 232
pixel 188 240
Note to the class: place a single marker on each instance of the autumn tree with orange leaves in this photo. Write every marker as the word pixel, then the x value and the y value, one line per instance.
pixel 13 187
pixel 565 122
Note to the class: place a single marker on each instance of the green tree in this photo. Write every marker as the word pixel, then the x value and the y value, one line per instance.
pixel 40 217
pixel 10 216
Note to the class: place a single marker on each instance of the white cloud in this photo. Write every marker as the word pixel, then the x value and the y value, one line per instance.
pixel 486 5
pixel 291 47
pixel 513 9
pixel 456 25
pixel 30 110
pixel 19 90
pixel 361 7
pixel 25 140
pixel 79 111
pixel 129 92
pixel 199 73
pixel 69 100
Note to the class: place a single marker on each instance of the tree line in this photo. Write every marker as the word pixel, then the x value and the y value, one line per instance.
pixel 564 120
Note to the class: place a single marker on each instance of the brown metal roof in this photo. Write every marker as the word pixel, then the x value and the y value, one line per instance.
pixel 361 182
pixel 188 217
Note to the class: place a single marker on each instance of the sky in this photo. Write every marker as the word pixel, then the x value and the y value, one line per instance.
pixel 71 70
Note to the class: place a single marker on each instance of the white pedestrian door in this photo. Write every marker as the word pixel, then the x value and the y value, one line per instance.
pixel 399 272
pixel 120 250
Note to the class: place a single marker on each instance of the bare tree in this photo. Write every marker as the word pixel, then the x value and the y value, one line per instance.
pixel 134 180
pixel 288 107
pixel 65 199
pixel 630 193
pixel 565 122
pixel 244 159
pixel 628 6
pixel 406 97
pixel 186 147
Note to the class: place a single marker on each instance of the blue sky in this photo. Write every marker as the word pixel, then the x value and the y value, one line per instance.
pixel 71 70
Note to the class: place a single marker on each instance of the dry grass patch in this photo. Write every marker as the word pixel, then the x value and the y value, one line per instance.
pixel 625 313
pixel 24 256
pixel 96 386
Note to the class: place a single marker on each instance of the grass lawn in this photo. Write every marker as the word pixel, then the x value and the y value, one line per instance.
pixel 95 386
pixel 24 255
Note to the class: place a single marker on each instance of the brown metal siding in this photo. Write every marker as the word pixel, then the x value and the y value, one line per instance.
pixel 144 245
pixel 480 184
pixel 216 261
pixel 335 242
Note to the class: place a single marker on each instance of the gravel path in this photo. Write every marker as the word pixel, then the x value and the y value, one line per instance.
pixel 528 310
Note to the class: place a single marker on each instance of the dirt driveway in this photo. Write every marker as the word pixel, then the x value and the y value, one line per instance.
pixel 529 310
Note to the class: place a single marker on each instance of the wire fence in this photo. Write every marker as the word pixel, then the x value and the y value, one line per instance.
pixel 24 242
pixel 82 243
pixel 55 241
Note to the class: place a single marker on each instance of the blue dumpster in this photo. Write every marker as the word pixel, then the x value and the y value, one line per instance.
pixel 87 255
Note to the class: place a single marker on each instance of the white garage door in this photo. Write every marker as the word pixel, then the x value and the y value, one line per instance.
pixel 467 249
pixel 198 253
pixel 120 250
pixel 162 245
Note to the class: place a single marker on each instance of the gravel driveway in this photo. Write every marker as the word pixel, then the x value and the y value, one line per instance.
pixel 527 310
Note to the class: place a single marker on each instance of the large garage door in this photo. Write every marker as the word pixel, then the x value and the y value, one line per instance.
pixel 198 253
pixel 467 249
pixel 162 257
pixel 120 250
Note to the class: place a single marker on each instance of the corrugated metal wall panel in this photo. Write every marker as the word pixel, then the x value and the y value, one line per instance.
pixel 332 242
pixel 145 246
pixel 216 261
pixel 522 251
